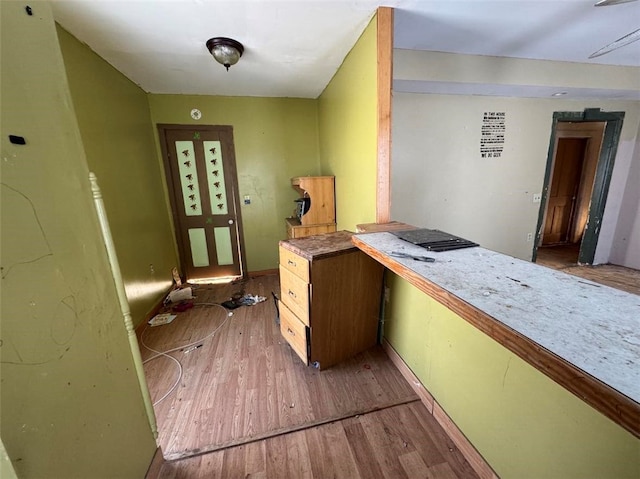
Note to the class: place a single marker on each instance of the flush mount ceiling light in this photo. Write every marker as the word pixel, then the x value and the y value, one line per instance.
pixel 226 51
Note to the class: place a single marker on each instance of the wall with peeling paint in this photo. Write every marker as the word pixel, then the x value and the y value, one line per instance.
pixel 275 140
pixel 115 125
pixel 71 402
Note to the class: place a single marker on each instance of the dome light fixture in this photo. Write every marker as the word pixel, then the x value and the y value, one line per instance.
pixel 226 51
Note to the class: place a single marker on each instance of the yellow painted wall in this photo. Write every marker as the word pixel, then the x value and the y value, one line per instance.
pixel 348 132
pixel 115 125
pixel 6 468
pixel 524 424
pixel 275 140
pixel 71 402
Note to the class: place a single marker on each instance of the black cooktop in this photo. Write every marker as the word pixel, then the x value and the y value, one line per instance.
pixel 434 240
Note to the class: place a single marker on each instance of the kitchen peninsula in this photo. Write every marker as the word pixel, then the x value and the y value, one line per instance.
pixel 584 336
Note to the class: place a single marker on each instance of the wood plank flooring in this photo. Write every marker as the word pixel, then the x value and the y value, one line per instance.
pixel 246 406
pixel 397 442
pixel 564 257
pixel 559 256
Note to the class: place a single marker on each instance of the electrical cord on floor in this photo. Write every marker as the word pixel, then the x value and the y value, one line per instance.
pixel 160 354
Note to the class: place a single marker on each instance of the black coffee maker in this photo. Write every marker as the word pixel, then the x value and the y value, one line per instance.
pixel 302 206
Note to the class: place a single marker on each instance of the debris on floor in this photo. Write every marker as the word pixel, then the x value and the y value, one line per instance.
pixel 246 300
pixel 181 294
pixel 182 306
pixel 160 319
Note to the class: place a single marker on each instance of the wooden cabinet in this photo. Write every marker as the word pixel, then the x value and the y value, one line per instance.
pixel 329 298
pixel 296 230
pixel 320 218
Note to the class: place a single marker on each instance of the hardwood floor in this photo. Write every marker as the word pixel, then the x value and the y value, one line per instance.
pixel 558 257
pixel 246 406
pixel 564 258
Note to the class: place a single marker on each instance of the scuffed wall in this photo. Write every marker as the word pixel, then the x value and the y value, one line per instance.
pixel 275 140
pixel 71 403
pixel 117 134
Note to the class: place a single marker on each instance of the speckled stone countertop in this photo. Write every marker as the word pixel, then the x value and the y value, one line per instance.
pixel 591 326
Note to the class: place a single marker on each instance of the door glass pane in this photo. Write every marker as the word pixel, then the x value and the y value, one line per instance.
pixel 223 245
pixel 199 251
pixel 215 177
pixel 188 178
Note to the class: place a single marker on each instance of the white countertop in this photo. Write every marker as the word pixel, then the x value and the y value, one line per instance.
pixel 594 327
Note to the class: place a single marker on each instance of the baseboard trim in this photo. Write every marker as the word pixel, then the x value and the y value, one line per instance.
pixel 155 310
pixel 264 272
pixel 156 465
pixel 470 453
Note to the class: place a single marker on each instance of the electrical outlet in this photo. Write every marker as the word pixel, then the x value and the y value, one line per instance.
pixel 537 197
pixel 152 269
pixel 529 237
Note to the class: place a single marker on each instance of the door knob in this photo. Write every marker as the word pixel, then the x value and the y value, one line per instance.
pixel 230 222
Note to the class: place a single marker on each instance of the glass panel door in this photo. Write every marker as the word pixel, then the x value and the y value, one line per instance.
pixel 203 184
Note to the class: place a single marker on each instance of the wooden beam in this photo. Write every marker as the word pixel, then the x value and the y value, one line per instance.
pixel 385 78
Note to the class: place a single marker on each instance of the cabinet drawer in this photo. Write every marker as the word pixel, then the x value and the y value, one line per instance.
pixel 294 263
pixel 294 292
pixel 294 332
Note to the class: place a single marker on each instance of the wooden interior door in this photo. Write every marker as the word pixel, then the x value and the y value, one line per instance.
pixel 203 188
pixel 602 131
pixel 563 222
pixel 564 188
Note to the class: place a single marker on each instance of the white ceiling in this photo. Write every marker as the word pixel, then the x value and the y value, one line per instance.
pixel 294 47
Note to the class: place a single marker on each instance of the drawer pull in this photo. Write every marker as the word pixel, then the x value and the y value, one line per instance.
pixel 292 294
pixel 292 263
pixel 291 332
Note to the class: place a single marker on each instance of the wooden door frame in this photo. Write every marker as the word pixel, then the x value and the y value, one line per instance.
pixel 235 196
pixel 604 171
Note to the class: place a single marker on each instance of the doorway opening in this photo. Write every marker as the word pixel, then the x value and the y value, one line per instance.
pixel 201 176
pixel 579 166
